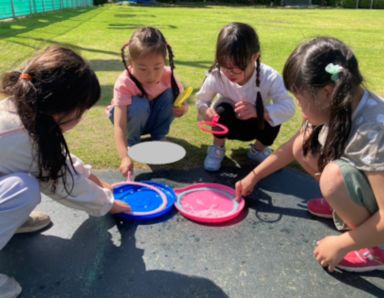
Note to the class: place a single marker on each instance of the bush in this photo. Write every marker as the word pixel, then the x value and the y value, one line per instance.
pixel 365 4
pixel 349 3
pixel 377 4
pixel 99 2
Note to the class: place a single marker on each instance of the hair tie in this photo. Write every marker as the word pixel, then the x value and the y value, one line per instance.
pixel 25 76
pixel 333 70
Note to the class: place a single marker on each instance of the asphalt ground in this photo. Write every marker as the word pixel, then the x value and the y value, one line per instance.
pixel 267 251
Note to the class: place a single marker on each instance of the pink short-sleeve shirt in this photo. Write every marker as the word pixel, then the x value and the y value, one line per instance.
pixel 125 88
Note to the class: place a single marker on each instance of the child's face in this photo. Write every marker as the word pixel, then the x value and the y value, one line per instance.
pixel 237 75
pixel 148 69
pixel 314 106
pixel 234 74
pixel 69 121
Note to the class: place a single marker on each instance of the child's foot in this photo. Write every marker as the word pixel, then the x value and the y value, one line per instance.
pixel 258 155
pixel 319 207
pixel 362 260
pixel 36 221
pixel 215 155
pixel 9 287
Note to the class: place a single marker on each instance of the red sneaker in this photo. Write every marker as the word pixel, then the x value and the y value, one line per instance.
pixel 320 208
pixel 366 259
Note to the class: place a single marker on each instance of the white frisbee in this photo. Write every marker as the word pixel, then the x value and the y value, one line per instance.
pixel 156 152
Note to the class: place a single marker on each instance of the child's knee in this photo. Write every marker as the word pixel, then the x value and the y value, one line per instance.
pixel 20 189
pixel 139 109
pixel 331 180
pixel 29 185
pixel 166 98
pixel 225 110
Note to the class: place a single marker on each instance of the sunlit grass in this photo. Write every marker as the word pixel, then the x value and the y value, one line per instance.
pixel 99 33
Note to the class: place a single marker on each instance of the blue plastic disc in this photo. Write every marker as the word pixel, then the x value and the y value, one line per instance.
pixel 144 200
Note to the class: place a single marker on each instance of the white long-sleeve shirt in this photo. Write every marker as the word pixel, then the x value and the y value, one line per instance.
pixel 276 99
pixel 18 154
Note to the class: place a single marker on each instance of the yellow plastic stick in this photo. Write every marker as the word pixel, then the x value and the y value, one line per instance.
pixel 182 98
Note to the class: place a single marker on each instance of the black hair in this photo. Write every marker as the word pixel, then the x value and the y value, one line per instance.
pixel 237 43
pixel 305 70
pixel 148 40
pixel 57 81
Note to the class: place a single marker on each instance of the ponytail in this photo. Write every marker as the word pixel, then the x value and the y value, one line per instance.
pixel 340 124
pixel 175 87
pixel 56 82
pixel 131 76
pixel 54 166
pixel 259 99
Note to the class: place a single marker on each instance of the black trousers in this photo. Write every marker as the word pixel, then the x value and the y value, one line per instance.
pixel 244 130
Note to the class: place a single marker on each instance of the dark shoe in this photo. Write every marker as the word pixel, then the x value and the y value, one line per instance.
pixel 36 221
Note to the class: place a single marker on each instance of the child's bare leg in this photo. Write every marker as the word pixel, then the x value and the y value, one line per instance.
pixel 334 190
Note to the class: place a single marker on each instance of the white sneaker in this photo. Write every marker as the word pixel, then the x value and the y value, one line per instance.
pixel 9 287
pixel 215 155
pixel 258 155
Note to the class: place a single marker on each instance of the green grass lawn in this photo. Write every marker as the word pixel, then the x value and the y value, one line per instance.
pixel 98 34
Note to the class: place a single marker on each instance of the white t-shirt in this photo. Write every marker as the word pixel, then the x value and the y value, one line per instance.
pixel 276 99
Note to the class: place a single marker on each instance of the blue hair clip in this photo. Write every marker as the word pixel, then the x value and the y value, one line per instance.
pixel 333 70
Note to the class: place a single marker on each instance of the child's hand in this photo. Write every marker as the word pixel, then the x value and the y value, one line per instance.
pixel 245 187
pixel 178 112
pixel 245 110
pixel 328 252
pixel 120 207
pixel 126 166
pixel 210 113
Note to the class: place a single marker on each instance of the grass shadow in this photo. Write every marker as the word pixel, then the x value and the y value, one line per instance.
pixel 33 22
pixel 173 4
pixel 71 45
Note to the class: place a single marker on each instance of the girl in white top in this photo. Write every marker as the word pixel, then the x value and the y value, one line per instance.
pixel 253 101
pixel 46 99
pixel 342 145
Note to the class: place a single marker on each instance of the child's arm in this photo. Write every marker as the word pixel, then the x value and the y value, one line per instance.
pixel 204 98
pixel 246 110
pixel 86 191
pixel 100 182
pixel 120 131
pixel 207 113
pixel 282 107
pixel 118 206
pixel 276 161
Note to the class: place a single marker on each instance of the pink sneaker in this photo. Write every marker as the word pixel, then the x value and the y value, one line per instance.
pixel 366 259
pixel 319 207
